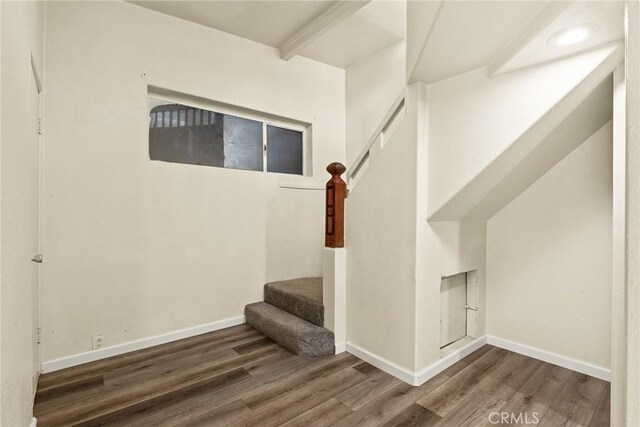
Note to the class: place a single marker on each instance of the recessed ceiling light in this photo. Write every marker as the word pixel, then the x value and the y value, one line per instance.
pixel 573 35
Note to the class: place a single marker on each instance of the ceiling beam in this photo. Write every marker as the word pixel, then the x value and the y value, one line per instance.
pixel 550 12
pixel 337 13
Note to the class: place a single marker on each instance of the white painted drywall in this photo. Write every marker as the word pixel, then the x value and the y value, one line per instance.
pixel 380 243
pixel 371 88
pixel 136 248
pixel 632 219
pixel 464 137
pixel 563 128
pixel 421 16
pixel 442 249
pixel 549 258
pixel 380 256
pixel 456 137
pixel 395 259
pixel 21 34
pixel 618 304
pixel 334 294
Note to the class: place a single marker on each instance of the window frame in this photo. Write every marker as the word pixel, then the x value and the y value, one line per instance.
pixel 264 118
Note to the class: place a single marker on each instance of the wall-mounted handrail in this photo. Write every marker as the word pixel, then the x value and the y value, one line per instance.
pixel 334 209
pixel 302 186
pixel 392 113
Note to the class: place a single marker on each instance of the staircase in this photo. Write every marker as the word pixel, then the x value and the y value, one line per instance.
pixel 292 314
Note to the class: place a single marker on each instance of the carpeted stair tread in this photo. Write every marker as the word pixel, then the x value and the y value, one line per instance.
pixel 300 297
pixel 293 333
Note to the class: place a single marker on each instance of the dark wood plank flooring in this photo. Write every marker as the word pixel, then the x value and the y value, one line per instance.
pixel 239 377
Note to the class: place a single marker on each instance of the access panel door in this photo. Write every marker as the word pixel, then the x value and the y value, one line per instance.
pixel 453 313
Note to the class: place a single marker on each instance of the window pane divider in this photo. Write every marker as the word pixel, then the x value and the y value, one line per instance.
pixel 264 147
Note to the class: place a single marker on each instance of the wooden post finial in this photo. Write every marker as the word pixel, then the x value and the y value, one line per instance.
pixel 336 168
pixel 336 193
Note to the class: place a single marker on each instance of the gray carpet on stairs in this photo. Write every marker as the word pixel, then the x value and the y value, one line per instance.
pixel 295 334
pixel 300 297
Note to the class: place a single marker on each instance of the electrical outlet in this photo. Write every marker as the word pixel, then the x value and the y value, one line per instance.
pixel 97 342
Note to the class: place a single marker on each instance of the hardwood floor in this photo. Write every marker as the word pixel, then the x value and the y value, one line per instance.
pixel 239 377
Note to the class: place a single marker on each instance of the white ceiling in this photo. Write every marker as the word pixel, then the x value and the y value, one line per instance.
pixel 507 35
pixel 373 28
pixel 376 26
pixel 461 35
pixel 609 16
pixel 266 22
pixel 466 35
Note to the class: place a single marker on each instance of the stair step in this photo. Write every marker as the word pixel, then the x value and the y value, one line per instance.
pixel 295 334
pixel 300 297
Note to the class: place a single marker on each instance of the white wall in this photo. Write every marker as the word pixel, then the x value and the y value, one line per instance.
pixel 381 258
pixel 456 137
pixel 549 258
pixel 632 219
pixel 380 242
pixel 395 258
pixel 136 248
pixel 464 136
pixel 21 24
pixel 442 249
pixel 466 164
pixel 421 15
pixel 445 249
pixel 618 303
pixel 372 87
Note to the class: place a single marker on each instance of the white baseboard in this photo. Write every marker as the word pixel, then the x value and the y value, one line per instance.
pixel 553 358
pixel 103 353
pixel 426 374
pixel 340 347
pixel 381 363
pixel 416 378
pixel 33 422
pixel 442 364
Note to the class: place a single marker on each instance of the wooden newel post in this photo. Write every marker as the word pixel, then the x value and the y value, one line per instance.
pixel 336 193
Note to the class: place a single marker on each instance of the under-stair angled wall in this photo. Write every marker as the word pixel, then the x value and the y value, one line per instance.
pixel 488 140
pixel 482 130
pixel 395 259
pixel 549 259
pixel 461 150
